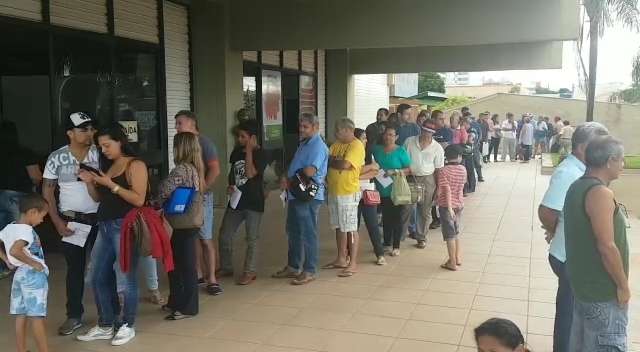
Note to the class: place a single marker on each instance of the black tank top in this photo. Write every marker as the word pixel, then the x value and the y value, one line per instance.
pixel 112 206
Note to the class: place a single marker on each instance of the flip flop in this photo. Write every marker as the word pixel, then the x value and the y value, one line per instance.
pixel 334 266
pixel 446 267
pixel 346 273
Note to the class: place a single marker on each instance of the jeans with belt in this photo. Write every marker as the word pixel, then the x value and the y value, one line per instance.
pixel 564 306
pixel 302 233
pixel 106 253
pixel 76 259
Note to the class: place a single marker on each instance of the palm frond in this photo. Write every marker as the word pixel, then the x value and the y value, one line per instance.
pixel 626 12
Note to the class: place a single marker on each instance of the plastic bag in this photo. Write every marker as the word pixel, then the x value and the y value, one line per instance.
pixel 401 192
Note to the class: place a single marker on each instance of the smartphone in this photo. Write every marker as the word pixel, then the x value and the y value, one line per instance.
pixel 90 169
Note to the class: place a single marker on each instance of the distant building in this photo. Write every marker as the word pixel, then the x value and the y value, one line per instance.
pixel 403 84
pixel 481 91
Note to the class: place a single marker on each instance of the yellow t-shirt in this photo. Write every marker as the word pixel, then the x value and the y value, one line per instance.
pixel 345 182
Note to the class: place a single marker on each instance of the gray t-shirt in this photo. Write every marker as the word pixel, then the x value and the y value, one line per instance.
pixel 63 167
pixel 209 150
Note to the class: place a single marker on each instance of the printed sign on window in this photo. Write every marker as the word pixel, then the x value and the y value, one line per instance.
pixel 130 129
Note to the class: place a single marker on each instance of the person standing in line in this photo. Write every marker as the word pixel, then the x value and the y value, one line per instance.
pixel 309 162
pixel 509 141
pixel 186 121
pixel 459 133
pixel 443 134
pixel 22 175
pixel 467 156
pixel 552 219
pixel 423 116
pixel 450 200
pixel 246 175
pixel 20 248
pixel 476 128
pixel 598 252
pixel 484 124
pixel 120 186
pixel 369 212
pixel 566 134
pixel 375 130
pixel 526 139
pixel 73 204
pixel 394 160
pixel 183 280
pixel 346 159
pixel 496 135
pixel 406 127
pixel 540 136
pixel 427 158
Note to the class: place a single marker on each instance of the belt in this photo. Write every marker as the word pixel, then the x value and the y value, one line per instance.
pixel 88 219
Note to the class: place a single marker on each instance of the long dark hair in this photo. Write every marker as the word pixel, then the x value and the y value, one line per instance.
pixel 116 133
pixel 502 330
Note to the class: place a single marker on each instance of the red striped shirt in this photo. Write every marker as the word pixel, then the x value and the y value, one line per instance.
pixel 451 180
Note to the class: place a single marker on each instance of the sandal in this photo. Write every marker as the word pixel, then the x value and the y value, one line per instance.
pixel 303 279
pixel 346 273
pixel 214 289
pixel 334 266
pixel 447 267
pixel 177 316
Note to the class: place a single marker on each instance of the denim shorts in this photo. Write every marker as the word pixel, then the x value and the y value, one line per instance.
pixel 29 292
pixel 206 231
pixel 599 326
pixel 450 227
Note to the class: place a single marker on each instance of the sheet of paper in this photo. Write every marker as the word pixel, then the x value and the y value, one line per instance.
pixel 283 198
pixel 234 199
pixel 80 233
pixel 384 180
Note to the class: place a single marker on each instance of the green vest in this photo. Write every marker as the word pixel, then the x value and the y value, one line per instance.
pixel 587 274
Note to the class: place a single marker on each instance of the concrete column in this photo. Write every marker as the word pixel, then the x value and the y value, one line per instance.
pixel 217 79
pixel 340 88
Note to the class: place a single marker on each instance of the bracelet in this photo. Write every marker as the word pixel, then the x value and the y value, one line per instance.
pixel 115 189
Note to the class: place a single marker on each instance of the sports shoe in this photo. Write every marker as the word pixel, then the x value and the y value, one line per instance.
pixel 69 326
pixel 421 244
pixel 381 261
pixel 395 252
pixel 96 333
pixel 124 335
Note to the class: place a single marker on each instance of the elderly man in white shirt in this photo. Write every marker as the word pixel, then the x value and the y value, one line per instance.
pixel 427 157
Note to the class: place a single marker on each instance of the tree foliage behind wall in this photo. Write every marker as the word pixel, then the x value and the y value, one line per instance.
pixel 430 81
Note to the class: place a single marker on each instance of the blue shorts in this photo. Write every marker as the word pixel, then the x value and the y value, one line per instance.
pixel 29 292
pixel 206 231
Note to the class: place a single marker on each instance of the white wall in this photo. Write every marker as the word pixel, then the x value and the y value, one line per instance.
pixel 371 92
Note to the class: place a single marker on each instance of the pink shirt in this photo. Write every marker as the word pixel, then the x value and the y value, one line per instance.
pixel 451 180
pixel 459 136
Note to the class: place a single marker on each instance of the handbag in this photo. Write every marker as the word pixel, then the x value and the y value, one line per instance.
pixel 370 197
pixel 417 191
pixel 193 215
pixel 303 188
pixel 400 191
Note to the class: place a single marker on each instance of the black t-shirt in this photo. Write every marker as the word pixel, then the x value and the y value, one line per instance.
pixel 14 176
pixel 252 188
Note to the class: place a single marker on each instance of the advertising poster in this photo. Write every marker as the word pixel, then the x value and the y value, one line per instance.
pixel 307 95
pixel 272 108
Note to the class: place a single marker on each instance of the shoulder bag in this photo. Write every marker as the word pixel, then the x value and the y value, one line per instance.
pixel 193 214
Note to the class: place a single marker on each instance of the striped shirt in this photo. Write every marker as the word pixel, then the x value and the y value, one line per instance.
pixel 451 180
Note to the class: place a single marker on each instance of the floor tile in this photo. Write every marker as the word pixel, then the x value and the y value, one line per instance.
pixel 542 310
pixel 452 300
pixel 438 314
pixel 314 318
pixel 404 345
pixel 540 326
pixel 501 291
pixel 397 294
pixel 390 309
pixel 500 305
pixel 450 286
pixel 369 324
pixel 244 331
pixel 432 332
pixel 300 337
pixel 266 314
pixel 346 341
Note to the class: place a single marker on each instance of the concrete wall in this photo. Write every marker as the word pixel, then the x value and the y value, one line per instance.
pixel 336 24
pixel 371 92
pixel 623 120
pixel 477 92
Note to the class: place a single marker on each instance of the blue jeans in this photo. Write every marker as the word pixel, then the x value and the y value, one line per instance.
pixel 370 215
pixel 599 327
pixel 564 306
pixel 150 270
pixel 302 233
pixel 8 212
pixel 106 253
pixel 206 231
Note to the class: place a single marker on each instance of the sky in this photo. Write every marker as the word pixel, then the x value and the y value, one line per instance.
pixel 616 50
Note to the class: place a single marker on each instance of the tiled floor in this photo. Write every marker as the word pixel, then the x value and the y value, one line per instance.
pixel 408 305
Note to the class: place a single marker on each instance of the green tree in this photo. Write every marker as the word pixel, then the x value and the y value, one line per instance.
pixel 453 102
pixel 631 95
pixel 601 14
pixel 430 81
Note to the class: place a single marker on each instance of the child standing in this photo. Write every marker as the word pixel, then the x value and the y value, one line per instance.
pixel 29 290
pixel 451 180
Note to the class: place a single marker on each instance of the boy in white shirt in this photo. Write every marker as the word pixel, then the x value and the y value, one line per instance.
pixel 22 249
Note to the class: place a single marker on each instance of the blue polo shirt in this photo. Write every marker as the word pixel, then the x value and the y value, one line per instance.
pixel 311 152
pixel 565 174
pixel 407 130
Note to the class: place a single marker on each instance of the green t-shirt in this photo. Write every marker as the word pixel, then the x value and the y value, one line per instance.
pixel 397 159
pixel 589 278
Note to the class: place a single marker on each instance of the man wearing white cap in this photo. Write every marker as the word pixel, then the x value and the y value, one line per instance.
pixel 73 209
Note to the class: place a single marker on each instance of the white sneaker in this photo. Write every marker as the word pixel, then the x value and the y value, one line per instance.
pixel 395 252
pixel 96 333
pixel 124 335
pixel 381 261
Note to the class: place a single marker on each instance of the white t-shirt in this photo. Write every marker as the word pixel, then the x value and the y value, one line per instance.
pixel 567 132
pixel 510 134
pixel 424 162
pixel 63 166
pixel 16 232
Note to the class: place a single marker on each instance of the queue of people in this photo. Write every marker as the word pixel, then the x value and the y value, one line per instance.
pixel 415 174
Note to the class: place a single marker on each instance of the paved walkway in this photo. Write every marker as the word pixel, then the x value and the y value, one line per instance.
pixel 408 305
